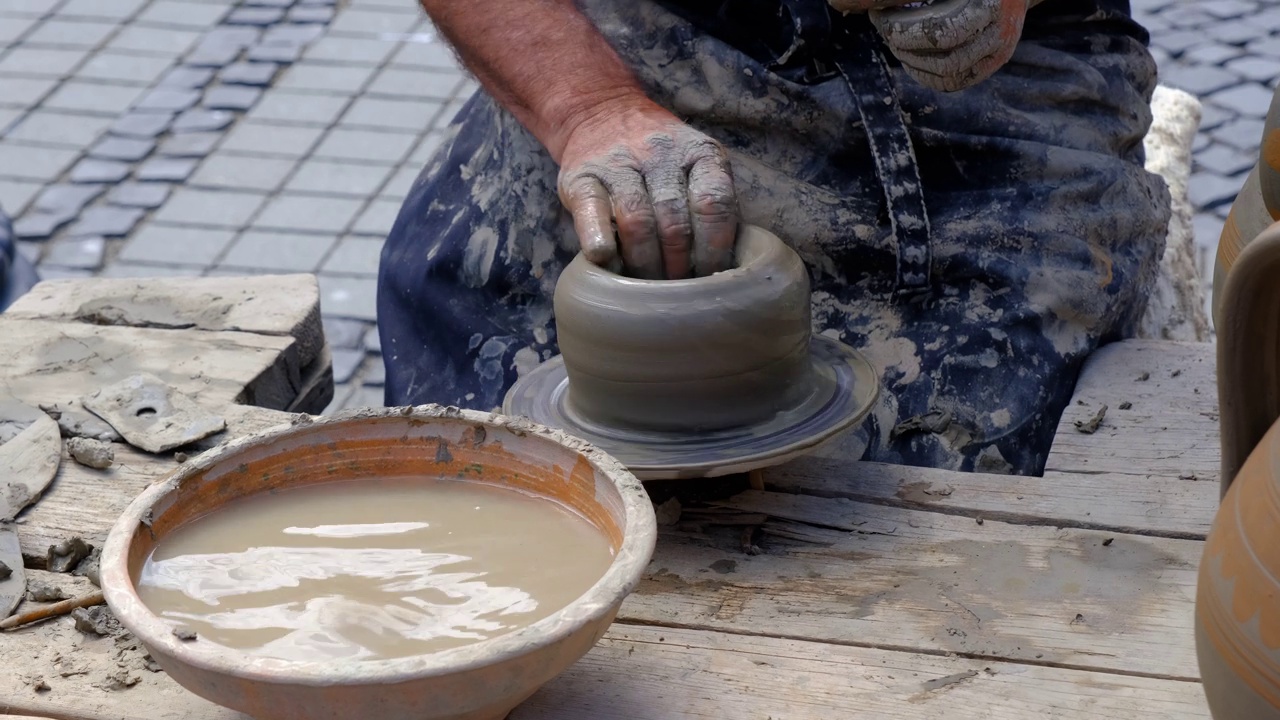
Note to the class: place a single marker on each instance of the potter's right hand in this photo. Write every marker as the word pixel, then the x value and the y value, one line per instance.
pixel 665 187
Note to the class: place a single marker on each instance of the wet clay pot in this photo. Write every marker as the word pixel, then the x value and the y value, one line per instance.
pixel 708 353
pixel 1238 597
pixel 483 681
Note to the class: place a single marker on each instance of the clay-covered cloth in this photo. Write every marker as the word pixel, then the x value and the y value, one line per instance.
pixel 1044 231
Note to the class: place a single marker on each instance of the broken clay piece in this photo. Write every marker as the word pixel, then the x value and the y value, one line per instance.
pixel 13 580
pixel 39 591
pixel 75 421
pixel 64 556
pixel 30 461
pixel 96 620
pixel 151 415
pixel 91 453
pixel 184 633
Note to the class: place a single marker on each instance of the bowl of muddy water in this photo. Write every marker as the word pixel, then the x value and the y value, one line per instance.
pixel 427 563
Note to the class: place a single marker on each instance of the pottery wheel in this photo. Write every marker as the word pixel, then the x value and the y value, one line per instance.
pixel 844 394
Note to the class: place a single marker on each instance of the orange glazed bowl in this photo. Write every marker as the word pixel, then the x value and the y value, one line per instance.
pixel 481 681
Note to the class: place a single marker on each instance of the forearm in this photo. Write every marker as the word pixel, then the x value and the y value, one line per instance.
pixel 542 60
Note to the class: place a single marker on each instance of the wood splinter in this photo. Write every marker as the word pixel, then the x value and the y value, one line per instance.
pixel 54 610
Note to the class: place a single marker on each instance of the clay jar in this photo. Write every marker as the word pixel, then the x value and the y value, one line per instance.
pixel 722 351
pixel 1238 596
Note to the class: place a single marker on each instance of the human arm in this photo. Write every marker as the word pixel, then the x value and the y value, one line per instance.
pixel 623 158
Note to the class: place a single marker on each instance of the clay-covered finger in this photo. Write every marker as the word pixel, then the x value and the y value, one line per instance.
pixel 666 179
pixel 637 225
pixel 713 208
pixel 588 201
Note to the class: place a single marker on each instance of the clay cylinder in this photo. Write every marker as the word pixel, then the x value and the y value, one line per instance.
pixel 708 353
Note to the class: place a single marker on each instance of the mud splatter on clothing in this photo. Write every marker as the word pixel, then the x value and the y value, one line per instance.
pixel 1042 229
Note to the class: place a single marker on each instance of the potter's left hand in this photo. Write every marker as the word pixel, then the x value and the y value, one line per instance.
pixel 953 44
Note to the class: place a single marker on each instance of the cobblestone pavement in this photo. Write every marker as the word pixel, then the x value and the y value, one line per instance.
pixel 222 137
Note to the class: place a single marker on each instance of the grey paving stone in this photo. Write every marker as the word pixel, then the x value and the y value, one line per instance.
pixel 391 113
pixel 1201 142
pixel 1189 16
pixel 214 208
pixel 355 256
pixel 13 28
pixel 249 73
pixel 375 372
pixel 202 119
pixel 24 92
pixel 365 397
pixel 373 341
pixel 212 54
pixel 420 83
pixel 1227 9
pixel 1261 70
pixel 100 9
pixel 84 253
pixel 278 52
pixel 38 225
pixel 348 297
pixel 124 68
pixel 371 146
pixel 1242 133
pixel 332 79
pixel 41 61
pixel 292 34
pixel 436 54
pixel 121 148
pixel 30 250
pixel 91 170
pixel 1199 79
pixel 1212 54
pixel 188 77
pixel 147 195
pixel 398 187
pixel 106 221
pixel 29 162
pixel 1208 190
pixel 284 252
pixel 189 145
pixel 71 33
pixel 262 138
pixel 133 270
pixel 338 178
pixel 340 395
pixel 1180 41
pixel 168 99
pixel 59 273
pixel 317 3
pixel 312 14
pixel 1249 99
pixel 301 108
pixel 67 200
pixel 377 219
pixel 1212 116
pixel 308 213
pixel 1224 160
pixel 173 245
pixel 8 118
pixel 346 362
pixel 231 97
pixel 166 169
pixel 1207 229
pixel 340 333
pixel 59 128
pixel 242 37
pixel 182 14
pixel 258 16
pixel 16 195
pixel 142 124
pixel 1232 32
pixel 154 41
pixel 373 21
pixel 243 172
pixel 367 51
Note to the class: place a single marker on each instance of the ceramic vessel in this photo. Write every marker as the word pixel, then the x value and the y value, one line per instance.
pixel 1238 595
pixel 706 353
pixel 483 681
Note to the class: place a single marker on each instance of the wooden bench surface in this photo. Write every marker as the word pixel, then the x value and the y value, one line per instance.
pixel 878 591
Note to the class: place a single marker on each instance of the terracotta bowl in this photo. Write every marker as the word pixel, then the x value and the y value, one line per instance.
pixel 709 353
pixel 483 681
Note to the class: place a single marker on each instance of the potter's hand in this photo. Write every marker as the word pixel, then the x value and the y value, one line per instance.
pixel 666 187
pixel 953 44
pixel 860 6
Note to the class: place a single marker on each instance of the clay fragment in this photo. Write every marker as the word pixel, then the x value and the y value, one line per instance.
pixel 119 680
pixel 37 683
pixel 91 453
pixel 94 620
pixel 39 591
pixel 15 416
pixel 88 567
pixel 75 421
pixel 28 464
pixel 668 512
pixel 1090 426
pixel 13 580
pixel 184 633
pixel 151 415
pixel 64 556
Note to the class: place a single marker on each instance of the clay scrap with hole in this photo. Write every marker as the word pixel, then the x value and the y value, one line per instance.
pixel 13 579
pixel 28 464
pixel 151 415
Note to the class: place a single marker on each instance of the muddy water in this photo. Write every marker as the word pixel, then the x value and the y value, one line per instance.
pixel 372 569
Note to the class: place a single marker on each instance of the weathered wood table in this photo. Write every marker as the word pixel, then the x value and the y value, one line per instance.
pixel 857 590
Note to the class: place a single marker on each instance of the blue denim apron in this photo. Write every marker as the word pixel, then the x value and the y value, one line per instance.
pixel 976 246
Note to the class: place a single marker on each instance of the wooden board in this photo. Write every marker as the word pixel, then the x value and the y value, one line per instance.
pixel 85 502
pixel 1170 432
pixel 933 582
pixel 639 673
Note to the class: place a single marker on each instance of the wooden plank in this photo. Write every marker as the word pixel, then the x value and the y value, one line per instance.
pixel 1140 504
pixel 85 502
pixel 44 361
pixel 283 305
pixel 641 673
pixel 931 582
pixel 1170 431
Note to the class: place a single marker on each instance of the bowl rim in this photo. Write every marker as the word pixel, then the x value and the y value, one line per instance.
pixel 639 536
